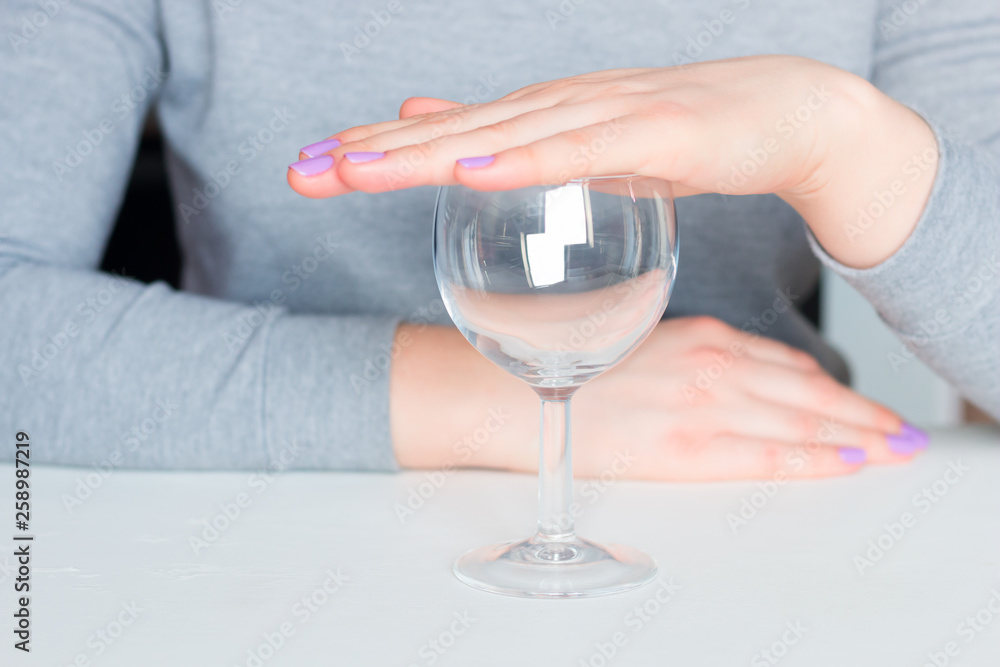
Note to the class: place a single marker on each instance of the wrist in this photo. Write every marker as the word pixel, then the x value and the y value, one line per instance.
pixel 864 194
pixel 450 407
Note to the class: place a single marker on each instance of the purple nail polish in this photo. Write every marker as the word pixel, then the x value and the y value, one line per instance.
pixel 476 162
pixel 313 165
pixel 852 455
pixel 919 436
pixel 900 444
pixel 363 156
pixel 320 147
pixel 910 440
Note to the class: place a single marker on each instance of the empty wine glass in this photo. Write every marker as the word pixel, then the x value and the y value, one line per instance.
pixel 556 284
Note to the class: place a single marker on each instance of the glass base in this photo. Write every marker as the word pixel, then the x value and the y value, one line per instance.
pixel 558 569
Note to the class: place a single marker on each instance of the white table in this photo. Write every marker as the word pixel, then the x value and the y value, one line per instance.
pixel 738 593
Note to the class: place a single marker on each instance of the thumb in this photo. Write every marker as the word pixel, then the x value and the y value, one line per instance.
pixel 414 106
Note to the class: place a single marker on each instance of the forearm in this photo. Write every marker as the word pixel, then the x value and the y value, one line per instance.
pixel 107 371
pixel 940 291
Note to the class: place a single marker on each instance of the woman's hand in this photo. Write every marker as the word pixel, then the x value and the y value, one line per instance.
pixel 698 400
pixel 824 140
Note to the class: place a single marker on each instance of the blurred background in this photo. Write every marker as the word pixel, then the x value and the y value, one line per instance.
pixel 143 243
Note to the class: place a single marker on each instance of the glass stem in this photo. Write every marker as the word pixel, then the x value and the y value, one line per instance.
pixel 555 467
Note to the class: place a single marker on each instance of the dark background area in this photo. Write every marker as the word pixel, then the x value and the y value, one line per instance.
pixel 143 241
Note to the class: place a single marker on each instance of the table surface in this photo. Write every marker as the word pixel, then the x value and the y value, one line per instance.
pixel 325 567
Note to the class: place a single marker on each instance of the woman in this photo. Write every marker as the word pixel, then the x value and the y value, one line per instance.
pixel 314 327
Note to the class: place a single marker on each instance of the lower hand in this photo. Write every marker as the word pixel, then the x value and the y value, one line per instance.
pixel 765 409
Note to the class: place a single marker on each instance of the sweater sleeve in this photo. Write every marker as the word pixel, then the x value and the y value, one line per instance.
pixel 103 370
pixel 940 292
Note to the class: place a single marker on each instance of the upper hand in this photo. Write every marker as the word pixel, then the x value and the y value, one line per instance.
pixel 689 125
pixel 817 136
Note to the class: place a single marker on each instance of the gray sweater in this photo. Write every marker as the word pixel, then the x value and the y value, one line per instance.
pixel 276 348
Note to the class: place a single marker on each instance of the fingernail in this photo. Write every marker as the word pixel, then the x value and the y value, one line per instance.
pixel 476 162
pixel 909 440
pixel 320 147
pixel 919 436
pixel 852 455
pixel 363 156
pixel 313 165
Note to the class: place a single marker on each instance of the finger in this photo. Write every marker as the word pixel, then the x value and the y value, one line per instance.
pixel 421 128
pixel 411 107
pixel 438 122
pixel 359 133
pixel 422 159
pixel 316 178
pixel 766 458
pixel 800 427
pixel 615 146
pixel 305 176
pixel 729 456
pixel 415 106
pixel 362 132
pixel 775 352
pixel 818 392
pixel 503 118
